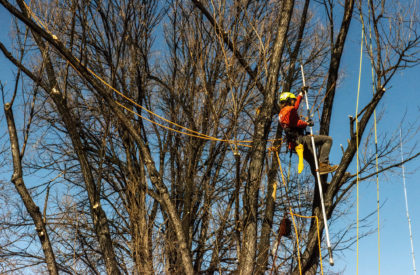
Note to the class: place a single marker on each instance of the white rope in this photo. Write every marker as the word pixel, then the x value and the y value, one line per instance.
pixel 406 207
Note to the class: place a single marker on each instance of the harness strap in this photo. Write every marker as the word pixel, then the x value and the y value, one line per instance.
pixel 292 135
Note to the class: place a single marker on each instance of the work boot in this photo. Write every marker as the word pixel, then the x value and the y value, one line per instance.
pixel 325 168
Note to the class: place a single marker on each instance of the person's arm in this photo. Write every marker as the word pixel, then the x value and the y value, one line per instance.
pixel 301 124
pixel 298 100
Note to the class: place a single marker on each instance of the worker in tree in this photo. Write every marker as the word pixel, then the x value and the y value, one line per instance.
pixel 294 128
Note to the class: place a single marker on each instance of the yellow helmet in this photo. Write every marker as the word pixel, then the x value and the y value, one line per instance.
pixel 286 96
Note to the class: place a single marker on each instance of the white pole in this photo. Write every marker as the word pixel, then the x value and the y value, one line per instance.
pixel 406 207
pixel 327 234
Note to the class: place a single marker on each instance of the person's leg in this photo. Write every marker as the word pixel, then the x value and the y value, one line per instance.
pixel 325 142
pixel 306 141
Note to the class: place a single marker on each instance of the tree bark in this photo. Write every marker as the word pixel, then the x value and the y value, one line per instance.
pixel 99 218
pixel 20 186
pixel 154 175
pixel 267 223
pixel 336 54
pixel 257 155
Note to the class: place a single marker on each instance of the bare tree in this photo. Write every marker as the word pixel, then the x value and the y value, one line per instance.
pixel 158 119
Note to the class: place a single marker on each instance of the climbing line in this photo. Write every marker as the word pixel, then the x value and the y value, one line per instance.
pixel 370 53
pixel 377 182
pixel 194 133
pixel 319 237
pixel 376 149
pixel 177 131
pixel 357 157
pixel 275 149
pixel 406 207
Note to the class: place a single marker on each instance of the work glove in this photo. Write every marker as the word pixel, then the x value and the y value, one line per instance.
pixel 304 89
pixel 310 123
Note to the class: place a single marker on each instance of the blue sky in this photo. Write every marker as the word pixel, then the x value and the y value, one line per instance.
pixel 399 105
pixel 401 98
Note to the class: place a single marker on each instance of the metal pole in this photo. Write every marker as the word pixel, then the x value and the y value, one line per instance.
pixel 406 207
pixel 327 234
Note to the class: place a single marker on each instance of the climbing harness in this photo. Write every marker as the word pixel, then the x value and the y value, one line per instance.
pixel 292 137
pixel 327 234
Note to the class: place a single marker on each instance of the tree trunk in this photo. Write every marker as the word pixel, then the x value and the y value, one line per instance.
pixel 336 54
pixel 267 223
pixel 99 218
pixel 30 205
pixel 262 125
pixel 310 258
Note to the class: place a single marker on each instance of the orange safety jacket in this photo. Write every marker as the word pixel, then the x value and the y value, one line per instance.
pixel 292 124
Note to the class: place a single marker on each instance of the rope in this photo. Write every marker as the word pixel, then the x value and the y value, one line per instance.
pixel 177 131
pixel 370 51
pixel 357 157
pixel 319 237
pixel 194 133
pixel 376 137
pixel 274 149
pixel 406 207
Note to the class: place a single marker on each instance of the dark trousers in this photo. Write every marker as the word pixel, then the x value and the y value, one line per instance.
pixel 325 142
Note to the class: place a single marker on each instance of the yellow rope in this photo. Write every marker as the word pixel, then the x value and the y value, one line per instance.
pixel 290 210
pixel 357 156
pixel 297 215
pixel 177 131
pixel 195 133
pixel 297 241
pixel 319 237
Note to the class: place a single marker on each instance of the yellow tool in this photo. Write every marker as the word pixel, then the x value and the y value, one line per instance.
pixel 299 152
